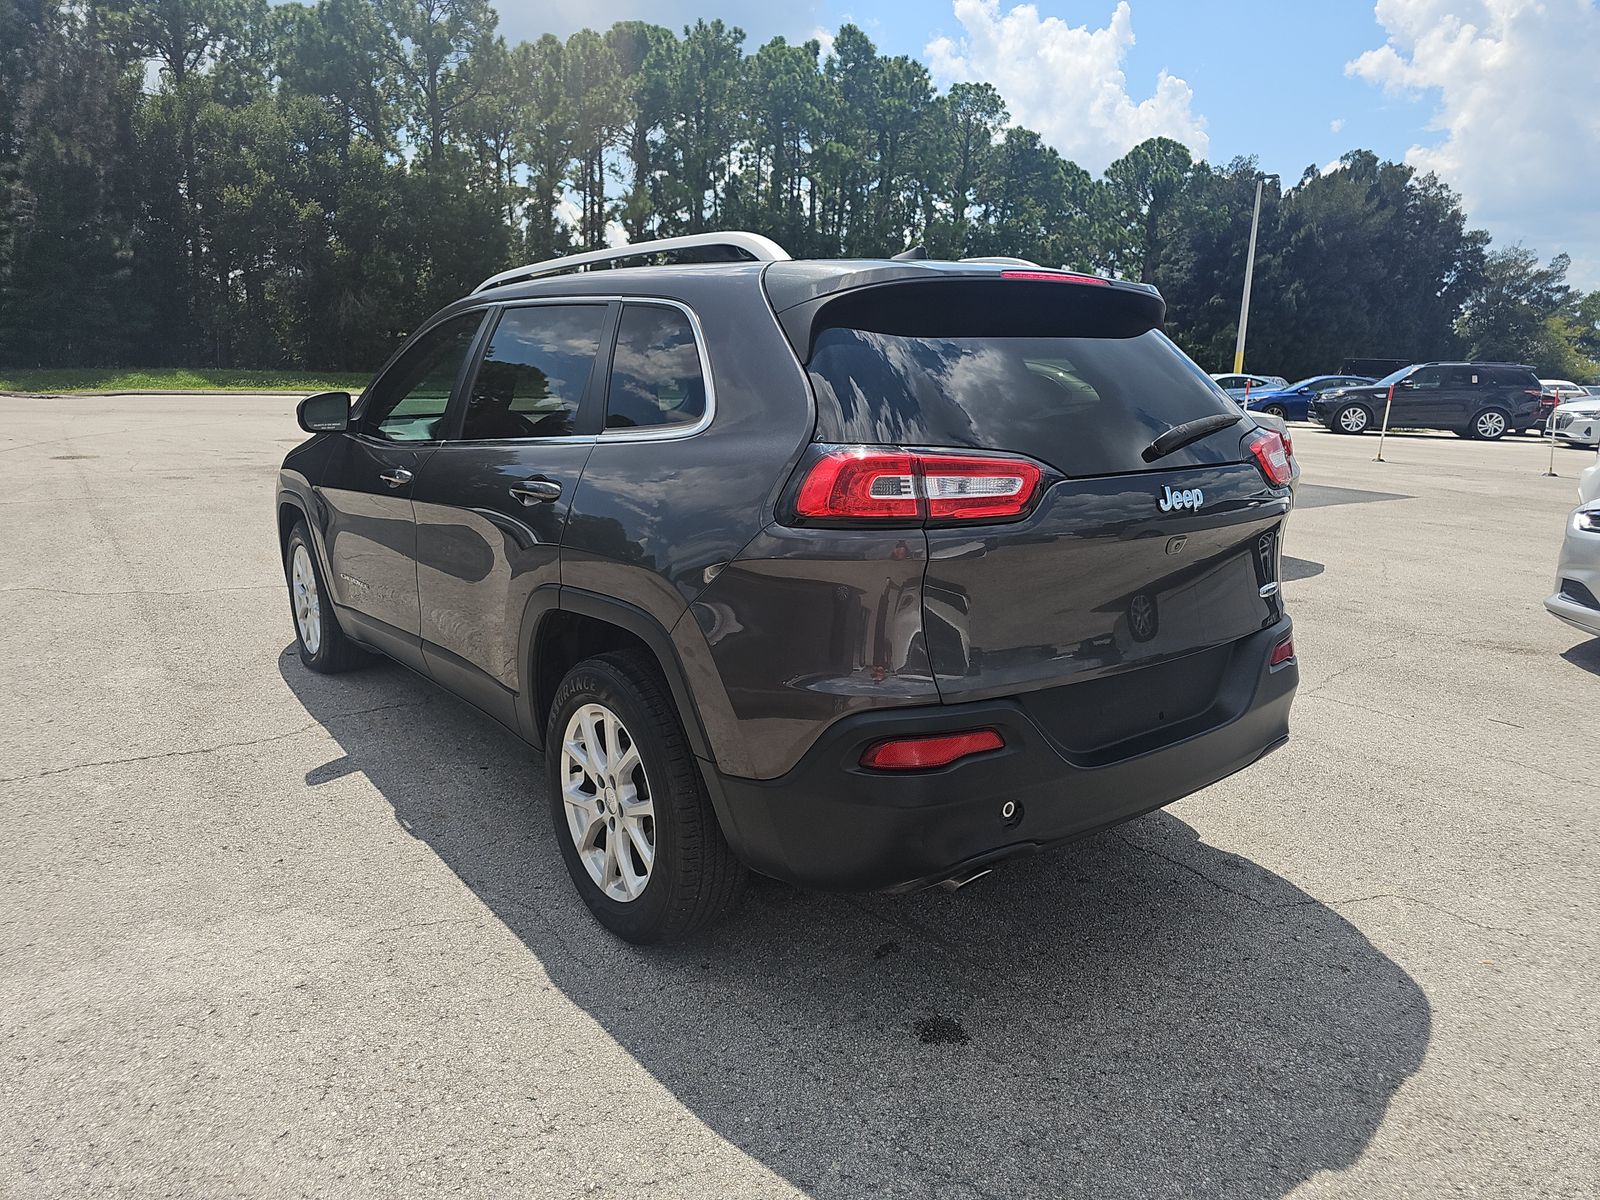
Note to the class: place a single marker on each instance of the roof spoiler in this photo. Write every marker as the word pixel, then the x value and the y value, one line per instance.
pixel 918 303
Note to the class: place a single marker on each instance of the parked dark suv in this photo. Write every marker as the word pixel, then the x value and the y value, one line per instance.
pixel 865 575
pixel 1479 400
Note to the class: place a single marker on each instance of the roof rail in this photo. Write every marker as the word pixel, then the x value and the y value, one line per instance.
pixel 1000 260
pixel 741 247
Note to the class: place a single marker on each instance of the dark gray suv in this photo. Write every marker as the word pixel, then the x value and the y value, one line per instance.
pixel 1473 399
pixel 861 574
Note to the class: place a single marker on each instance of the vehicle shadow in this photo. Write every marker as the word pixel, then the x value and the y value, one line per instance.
pixel 1138 1015
pixel 1585 655
pixel 1300 568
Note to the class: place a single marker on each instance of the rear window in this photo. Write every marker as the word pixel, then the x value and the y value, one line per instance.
pixel 1088 406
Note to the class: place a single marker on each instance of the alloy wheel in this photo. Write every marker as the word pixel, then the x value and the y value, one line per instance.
pixel 307 601
pixel 1491 425
pixel 610 808
pixel 1353 419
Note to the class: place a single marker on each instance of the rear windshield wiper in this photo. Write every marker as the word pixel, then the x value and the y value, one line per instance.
pixel 1180 436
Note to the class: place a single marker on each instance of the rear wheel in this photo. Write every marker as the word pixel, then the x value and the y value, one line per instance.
pixel 1490 425
pixel 631 813
pixel 1276 410
pixel 322 644
pixel 1352 418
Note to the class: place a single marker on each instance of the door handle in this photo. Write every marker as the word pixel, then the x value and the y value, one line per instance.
pixel 536 491
pixel 396 478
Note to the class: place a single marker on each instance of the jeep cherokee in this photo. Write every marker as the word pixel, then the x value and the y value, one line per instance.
pixel 861 574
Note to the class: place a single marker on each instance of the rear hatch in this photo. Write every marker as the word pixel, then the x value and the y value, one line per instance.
pixel 1121 563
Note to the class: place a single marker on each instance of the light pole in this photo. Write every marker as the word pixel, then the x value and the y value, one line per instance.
pixel 1249 274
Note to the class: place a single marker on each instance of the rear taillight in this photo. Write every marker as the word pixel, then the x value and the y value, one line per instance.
pixel 1056 277
pixel 1283 652
pixel 926 753
pixel 869 484
pixel 1272 456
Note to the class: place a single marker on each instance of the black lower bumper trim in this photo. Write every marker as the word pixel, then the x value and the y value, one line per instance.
pixel 831 824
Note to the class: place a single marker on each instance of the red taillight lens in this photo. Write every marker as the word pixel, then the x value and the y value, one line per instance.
pixel 925 753
pixel 1272 456
pixel 862 483
pixel 1288 443
pixel 1056 277
pixel 1283 652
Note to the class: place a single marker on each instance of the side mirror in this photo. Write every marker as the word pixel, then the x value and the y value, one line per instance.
pixel 1308 391
pixel 326 412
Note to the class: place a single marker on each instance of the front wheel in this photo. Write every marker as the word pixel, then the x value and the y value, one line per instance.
pixel 1490 425
pixel 631 813
pixel 1276 410
pixel 1352 418
pixel 323 646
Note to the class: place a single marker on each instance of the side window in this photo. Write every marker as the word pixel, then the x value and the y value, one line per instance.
pixel 1463 377
pixel 655 372
pixel 534 372
pixel 407 402
pixel 1426 377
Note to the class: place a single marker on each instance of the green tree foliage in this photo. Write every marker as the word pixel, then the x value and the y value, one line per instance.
pixel 234 183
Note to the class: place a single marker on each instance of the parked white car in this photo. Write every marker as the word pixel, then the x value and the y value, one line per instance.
pixel 1577 422
pixel 1563 389
pixel 1576 599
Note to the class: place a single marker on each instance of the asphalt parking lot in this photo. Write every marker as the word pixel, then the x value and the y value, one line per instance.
pixel 267 933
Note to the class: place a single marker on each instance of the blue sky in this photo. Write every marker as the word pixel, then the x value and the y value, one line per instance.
pixel 1496 96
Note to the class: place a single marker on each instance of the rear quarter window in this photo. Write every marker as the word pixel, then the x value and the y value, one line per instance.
pixel 656 380
pixel 1088 406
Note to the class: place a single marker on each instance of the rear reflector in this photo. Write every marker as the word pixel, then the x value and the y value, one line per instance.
pixel 925 753
pixel 1056 277
pixel 865 483
pixel 1283 652
pixel 1272 457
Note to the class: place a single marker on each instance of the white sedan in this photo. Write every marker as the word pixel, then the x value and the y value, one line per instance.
pixel 1576 599
pixel 1577 422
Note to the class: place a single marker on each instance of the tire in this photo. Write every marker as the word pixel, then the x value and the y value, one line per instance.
pixel 1491 424
pixel 692 879
pixel 1276 410
pixel 323 646
pixel 1352 418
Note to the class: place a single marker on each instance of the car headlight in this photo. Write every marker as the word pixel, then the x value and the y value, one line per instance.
pixel 1589 520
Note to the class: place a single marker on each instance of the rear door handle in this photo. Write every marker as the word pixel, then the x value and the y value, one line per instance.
pixel 396 478
pixel 536 491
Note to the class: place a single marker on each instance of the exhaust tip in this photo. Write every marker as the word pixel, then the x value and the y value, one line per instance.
pixel 956 882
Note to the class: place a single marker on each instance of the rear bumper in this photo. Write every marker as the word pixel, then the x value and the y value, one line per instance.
pixel 830 824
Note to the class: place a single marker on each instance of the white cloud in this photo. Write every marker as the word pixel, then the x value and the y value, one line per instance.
pixel 824 38
pixel 1066 81
pixel 1336 125
pixel 1512 81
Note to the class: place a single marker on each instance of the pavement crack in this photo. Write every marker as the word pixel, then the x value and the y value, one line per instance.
pixel 199 750
pixel 1404 899
pixel 1363 662
pixel 54 591
pixel 1177 862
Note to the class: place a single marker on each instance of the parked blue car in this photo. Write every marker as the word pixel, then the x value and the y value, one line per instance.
pixel 1290 402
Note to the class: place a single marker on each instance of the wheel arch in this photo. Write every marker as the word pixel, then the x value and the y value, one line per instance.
pixel 290 510
pixel 564 625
